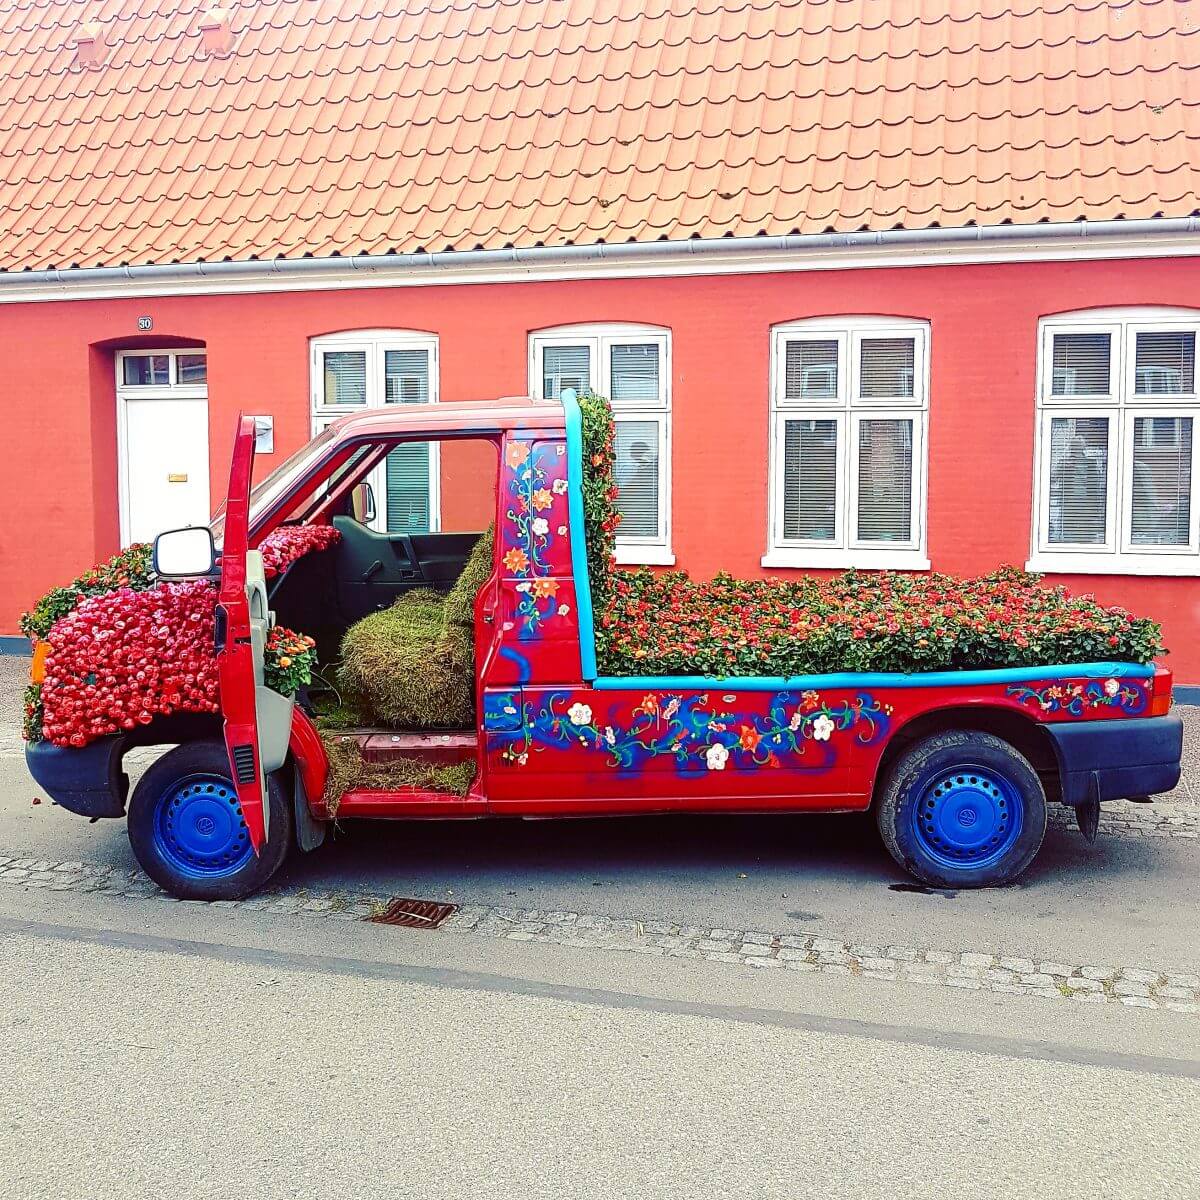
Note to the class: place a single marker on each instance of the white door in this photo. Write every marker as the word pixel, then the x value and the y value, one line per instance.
pixel 165 465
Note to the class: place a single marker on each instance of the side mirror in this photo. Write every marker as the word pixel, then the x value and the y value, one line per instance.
pixel 362 503
pixel 184 553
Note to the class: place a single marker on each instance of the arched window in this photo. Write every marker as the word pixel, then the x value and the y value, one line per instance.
pixel 631 365
pixel 371 368
pixel 1117 410
pixel 849 411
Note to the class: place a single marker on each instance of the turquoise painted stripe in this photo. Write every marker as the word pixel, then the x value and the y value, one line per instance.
pixel 579 564
pixel 874 679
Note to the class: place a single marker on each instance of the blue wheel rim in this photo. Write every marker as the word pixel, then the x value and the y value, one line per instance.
pixel 198 828
pixel 968 818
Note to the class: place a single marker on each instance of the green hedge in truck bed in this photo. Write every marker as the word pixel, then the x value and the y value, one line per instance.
pixel 656 622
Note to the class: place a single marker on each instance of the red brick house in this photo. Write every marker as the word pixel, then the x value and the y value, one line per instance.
pixel 875 285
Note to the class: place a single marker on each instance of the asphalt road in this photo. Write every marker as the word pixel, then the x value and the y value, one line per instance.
pixel 151 1049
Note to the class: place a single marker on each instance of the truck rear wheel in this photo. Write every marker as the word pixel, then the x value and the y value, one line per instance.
pixel 187 832
pixel 962 809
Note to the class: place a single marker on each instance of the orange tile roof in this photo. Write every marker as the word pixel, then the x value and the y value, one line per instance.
pixel 376 126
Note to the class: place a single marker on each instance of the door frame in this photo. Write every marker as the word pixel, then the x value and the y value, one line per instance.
pixel 171 390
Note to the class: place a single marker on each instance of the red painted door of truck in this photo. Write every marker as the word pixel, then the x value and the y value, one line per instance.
pixel 241 619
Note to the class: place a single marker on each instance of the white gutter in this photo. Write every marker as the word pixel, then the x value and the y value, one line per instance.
pixel 1171 236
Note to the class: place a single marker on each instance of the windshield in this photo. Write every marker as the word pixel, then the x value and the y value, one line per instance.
pixel 278 482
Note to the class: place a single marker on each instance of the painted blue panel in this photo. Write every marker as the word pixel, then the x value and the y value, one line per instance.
pixel 16 646
pixel 579 564
pixel 873 679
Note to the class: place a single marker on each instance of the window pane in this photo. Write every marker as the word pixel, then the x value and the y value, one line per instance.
pixel 811 370
pixel 637 470
pixel 565 367
pixel 406 376
pixel 141 370
pixel 1078 480
pixel 1165 364
pixel 886 367
pixel 191 368
pixel 345 377
pixel 810 480
pixel 1081 364
pixel 885 452
pixel 634 373
pixel 408 488
pixel 1162 481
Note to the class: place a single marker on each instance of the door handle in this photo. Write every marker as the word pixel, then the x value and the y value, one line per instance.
pixel 372 571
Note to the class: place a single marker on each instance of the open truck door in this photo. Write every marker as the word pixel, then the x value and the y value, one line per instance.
pixel 257 719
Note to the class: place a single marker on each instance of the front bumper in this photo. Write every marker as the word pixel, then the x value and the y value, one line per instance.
pixel 87 780
pixel 1109 760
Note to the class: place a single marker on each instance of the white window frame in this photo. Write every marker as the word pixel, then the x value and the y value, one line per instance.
pixel 849 410
pixel 171 390
pixel 375 343
pixel 600 339
pixel 1122 406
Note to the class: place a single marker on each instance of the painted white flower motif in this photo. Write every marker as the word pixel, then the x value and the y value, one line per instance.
pixel 510 710
pixel 1111 687
pixel 522 759
pixel 716 757
pixel 1046 706
pixel 796 721
pixel 562 531
pixel 563 609
pixel 822 727
pixel 524 586
pixel 609 735
pixel 559 487
pixel 541 526
pixel 579 714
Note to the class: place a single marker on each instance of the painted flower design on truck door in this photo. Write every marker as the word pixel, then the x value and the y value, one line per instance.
pixel 698 733
pixel 1080 699
pixel 535 515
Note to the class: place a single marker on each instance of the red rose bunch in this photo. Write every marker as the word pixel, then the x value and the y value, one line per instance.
pixel 121 659
pixel 289 542
pixel 669 624
pixel 125 649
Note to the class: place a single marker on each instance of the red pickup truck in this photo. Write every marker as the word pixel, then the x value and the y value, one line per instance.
pixel 958 766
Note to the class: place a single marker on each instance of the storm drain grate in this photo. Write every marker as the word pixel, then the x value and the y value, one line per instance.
pixel 414 914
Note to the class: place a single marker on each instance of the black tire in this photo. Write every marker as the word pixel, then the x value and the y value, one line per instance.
pixel 962 809
pixel 187 832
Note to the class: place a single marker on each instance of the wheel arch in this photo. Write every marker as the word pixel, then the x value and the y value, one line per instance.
pixel 1026 736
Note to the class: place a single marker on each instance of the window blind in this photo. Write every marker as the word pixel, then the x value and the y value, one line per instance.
pixel 1165 364
pixel 810 480
pixel 406 381
pixel 638 455
pixel 1078 480
pixel 1081 364
pixel 886 367
pixel 810 370
pixel 633 373
pixel 885 460
pixel 406 377
pixel 1161 502
pixel 345 377
pixel 565 367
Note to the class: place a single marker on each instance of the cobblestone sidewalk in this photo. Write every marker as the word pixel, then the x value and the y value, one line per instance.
pixel 976 970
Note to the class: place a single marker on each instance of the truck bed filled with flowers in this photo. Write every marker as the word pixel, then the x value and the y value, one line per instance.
pixel 665 623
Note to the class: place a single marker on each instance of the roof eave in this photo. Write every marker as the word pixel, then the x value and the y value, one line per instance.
pixel 823 251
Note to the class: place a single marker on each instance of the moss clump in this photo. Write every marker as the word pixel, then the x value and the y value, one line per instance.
pixel 413 665
pixel 349 771
pixel 460 603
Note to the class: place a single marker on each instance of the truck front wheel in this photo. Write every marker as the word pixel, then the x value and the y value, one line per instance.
pixel 187 832
pixel 962 809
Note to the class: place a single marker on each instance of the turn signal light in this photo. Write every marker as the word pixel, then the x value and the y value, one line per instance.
pixel 1160 696
pixel 37 668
